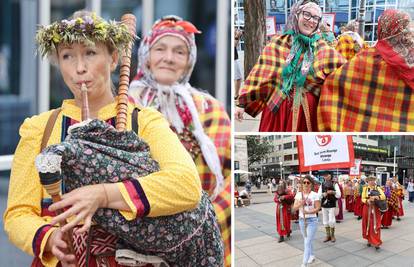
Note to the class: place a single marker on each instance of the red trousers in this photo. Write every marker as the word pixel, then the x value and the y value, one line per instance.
pixel 373 235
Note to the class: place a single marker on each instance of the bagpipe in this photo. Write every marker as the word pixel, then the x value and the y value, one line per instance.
pixel 380 204
pixel 95 152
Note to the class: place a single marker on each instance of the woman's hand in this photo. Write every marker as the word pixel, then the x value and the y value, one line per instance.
pixel 58 247
pixel 81 203
pixel 238 114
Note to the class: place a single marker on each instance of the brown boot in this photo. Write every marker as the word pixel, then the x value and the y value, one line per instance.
pixel 333 239
pixel 328 234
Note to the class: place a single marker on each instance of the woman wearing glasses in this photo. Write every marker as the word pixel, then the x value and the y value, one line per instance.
pixel 308 204
pixel 285 82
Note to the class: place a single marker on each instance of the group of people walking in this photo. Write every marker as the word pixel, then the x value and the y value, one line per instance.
pixel 375 205
pixel 306 80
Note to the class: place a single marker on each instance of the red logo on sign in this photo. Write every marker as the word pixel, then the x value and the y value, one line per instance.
pixel 323 140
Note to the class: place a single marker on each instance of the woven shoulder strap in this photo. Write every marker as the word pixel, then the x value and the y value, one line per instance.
pixel 53 117
pixel 49 127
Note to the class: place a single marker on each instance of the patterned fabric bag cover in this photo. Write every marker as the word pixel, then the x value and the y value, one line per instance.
pixel 95 152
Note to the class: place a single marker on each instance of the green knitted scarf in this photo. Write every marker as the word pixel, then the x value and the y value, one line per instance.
pixel 294 73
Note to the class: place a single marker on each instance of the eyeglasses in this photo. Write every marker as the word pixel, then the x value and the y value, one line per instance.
pixel 305 182
pixel 307 15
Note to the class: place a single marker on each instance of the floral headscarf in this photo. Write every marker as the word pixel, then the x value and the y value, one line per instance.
pixel 392 22
pixel 169 25
pixel 396 43
pixel 171 98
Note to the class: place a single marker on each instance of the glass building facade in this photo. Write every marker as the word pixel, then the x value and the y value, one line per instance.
pixel 344 10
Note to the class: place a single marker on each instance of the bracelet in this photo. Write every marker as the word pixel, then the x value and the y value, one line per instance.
pixel 106 196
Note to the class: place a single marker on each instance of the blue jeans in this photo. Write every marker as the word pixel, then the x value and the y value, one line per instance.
pixel 311 228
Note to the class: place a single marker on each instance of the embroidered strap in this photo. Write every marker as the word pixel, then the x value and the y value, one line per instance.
pixel 49 127
pixel 53 117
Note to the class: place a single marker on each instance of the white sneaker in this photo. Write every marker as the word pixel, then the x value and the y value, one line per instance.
pixel 311 259
pixel 303 265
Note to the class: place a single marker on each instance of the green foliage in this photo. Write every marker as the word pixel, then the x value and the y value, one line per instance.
pixel 257 148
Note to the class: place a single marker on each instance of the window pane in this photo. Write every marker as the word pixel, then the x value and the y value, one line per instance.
pixel 18 90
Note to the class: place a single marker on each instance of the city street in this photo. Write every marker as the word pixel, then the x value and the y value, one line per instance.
pixel 256 239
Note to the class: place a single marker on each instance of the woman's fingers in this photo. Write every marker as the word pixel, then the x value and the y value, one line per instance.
pixel 79 217
pixel 87 224
pixel 65 215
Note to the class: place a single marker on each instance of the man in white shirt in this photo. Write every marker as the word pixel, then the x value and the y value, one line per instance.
pixel 329 192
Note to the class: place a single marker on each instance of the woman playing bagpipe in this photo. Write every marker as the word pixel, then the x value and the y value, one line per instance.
pixel 371 213
pixel 284 199
pixel 166 59
pixel 134 192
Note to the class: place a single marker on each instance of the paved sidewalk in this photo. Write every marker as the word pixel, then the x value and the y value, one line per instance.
pixel 249 124
pixel 256 241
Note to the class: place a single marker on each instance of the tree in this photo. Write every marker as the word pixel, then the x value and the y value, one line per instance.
pixel 257 148
pixel 254 32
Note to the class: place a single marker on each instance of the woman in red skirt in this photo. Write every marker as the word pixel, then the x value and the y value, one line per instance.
pixel 371 215
pixel 283 199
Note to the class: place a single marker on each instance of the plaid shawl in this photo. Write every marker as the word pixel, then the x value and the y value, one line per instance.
pixel 348 47
pixel 366 95
pixel 264 83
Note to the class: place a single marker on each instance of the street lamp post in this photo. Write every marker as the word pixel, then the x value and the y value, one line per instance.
pixel 281 170
pixel 395 158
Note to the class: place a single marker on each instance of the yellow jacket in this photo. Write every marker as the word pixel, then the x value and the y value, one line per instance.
pixel 365 193
pixel 175 188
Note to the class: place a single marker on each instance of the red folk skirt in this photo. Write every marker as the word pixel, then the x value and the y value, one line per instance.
pixel 281 121
pixel 400 211
pixel 387 217
pixel 340 215
pixel 358 207
pixel 282 220
pixel 349 203
pixel 374 233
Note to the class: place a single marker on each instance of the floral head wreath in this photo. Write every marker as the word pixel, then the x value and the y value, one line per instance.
pixel 86 29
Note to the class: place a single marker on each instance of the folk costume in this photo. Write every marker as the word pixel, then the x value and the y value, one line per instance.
pixel 350 42
pixel 349 197
pixel 199 120
pixel 392 203
pixel 340 204
pixel 373 91
pixel 357 199
pixel 371 216
pixel 168 187
pixel 285 83
pixel 399 190
pixel 328 204
pixel 283 201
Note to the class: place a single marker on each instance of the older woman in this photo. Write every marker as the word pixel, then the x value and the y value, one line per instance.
pixel 85 50
pixel 285 82
pixel 167 56
pixel 373 91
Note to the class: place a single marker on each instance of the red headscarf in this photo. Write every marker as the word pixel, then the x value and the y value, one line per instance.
pixel 396 43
